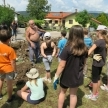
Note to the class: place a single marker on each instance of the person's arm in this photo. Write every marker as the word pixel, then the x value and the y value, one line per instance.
pixel 13 63
pixel 60 67
pixel 42 50
pixel 40 29
pixel 54 50
pixel 24 88
pixel 28 35
pixel 92 49
pixel 58 51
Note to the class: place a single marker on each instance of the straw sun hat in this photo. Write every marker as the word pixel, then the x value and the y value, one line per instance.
pixel 33 73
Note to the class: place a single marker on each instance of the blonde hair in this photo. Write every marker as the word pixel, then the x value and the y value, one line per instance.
pixel 34 80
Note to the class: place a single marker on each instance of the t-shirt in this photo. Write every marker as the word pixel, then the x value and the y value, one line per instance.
pixel 7 54
pixel 61 44
pixel 72 75
pixel 37 90
pixel 100 49
pixel 88 41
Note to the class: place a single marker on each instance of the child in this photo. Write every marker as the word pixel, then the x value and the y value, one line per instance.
pixel 88 42
pixel 7 63
pixel 71 66
pixel 61 44
pixel 48 50
pixel 35 94
pixel 99 48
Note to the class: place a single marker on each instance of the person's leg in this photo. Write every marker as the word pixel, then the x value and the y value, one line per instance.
pixel 61 97
pixel 15 34
pixel 73 97
pixel 31 54
pixel 23 95
pixel 9 88
pixel 1 85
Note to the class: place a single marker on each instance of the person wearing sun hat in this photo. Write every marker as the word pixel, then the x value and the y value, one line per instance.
pixel 99 47
pixel 48 51
pixel 35 94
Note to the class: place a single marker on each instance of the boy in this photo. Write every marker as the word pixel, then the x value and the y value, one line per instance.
pixel 88 43
pixel 61 44
pixel 7 64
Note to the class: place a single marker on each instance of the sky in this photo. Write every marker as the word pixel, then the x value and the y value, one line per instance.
pixel 64 5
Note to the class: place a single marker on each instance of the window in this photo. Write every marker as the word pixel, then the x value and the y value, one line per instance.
pixel 56 22
pixel 50 21
pixel 70 21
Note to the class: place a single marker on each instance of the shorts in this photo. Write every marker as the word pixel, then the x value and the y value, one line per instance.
pixel 96 71
pixel 34 101
pixel 7 76
pixel 47 64
pixel 63 86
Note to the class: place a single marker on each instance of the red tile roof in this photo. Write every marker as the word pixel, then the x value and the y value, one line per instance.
pixel 58 15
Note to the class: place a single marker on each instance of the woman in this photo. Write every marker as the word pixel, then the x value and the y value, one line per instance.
pixel 71 66
pixel 48 51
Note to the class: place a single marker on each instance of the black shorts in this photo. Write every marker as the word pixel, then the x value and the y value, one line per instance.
pixel 96 71
pixel 34 101
pixel 63 86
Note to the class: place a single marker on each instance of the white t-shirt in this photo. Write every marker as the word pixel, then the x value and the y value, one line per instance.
pixel 37 90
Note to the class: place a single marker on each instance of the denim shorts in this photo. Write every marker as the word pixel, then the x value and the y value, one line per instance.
pixel 7 76
pixel 47 64
pixel 34 101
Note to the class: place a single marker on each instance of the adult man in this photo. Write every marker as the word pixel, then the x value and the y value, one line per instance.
pixel 13 27
pixel 32 36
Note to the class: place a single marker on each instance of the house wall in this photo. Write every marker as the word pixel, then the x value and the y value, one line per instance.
pixel 71 17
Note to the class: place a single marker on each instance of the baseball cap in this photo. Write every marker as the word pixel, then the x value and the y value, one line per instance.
pixel 101 27
pixel 47 34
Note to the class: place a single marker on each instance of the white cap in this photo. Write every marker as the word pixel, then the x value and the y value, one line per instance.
pixel 47 34
pixel 101 27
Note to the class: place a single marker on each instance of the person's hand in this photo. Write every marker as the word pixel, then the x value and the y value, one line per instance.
pixel 32 45
pixel 55 82
pixel 15 75
pixel 97 57
pixel 50 58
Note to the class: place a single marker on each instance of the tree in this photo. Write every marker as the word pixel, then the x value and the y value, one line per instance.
pixel 103 18
pixel 83 18
pixel 38 8
pixel 6 14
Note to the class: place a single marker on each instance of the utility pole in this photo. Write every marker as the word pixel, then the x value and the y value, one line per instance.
pixel 4 3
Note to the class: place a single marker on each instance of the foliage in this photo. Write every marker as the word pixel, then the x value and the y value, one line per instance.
pixel 6 14
pixel 39 22
pixel 92 24
pixel 83 18
pixel 103 18
pixel 38 8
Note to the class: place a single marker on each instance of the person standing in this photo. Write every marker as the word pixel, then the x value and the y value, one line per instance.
pixel 88 42
pixel 7 64
pixel 32 36
pixel 71 66
pixel 48 51
pixel 61 44
pixel 100 51
pixel 14 27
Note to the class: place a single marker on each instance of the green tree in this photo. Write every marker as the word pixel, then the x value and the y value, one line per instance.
pixel 83 18
pixel 103 18
pixel 38 8
pixel 6 14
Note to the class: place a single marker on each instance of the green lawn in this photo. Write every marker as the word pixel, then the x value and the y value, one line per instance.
pixel 52 95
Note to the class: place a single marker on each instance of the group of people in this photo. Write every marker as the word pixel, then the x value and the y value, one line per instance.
pixel 72 56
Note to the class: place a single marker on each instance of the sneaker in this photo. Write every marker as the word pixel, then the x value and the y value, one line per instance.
pixel 1 96
pixel 91 84
pixel 9 100
pixel 104 87
pixel 49 80
pixel 44 79
pixel 91 97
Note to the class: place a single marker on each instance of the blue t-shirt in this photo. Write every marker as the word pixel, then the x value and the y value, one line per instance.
pixel 61 44
pixel 37 90
pixel 88 41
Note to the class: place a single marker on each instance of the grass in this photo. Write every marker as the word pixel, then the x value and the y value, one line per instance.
pixel 52 95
